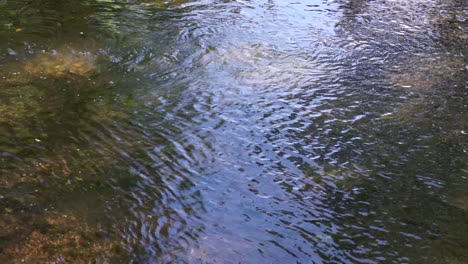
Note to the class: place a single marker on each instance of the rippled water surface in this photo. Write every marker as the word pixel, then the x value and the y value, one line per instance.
pixel 270 131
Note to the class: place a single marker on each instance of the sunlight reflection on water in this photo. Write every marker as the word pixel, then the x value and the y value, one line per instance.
pixel 233 132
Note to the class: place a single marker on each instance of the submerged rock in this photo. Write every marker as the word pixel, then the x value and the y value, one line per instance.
pixel 59 238
pixel 423 74
pixel 460 201
pixel 61 65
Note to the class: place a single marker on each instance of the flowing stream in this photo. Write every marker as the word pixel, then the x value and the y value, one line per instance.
pixel 219 131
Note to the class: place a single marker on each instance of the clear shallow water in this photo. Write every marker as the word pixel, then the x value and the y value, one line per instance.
pixel 233 132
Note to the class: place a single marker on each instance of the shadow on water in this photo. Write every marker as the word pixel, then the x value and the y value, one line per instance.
pixel 81 179
pixel 233 132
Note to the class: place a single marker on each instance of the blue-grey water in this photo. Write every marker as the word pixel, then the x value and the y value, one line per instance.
pixel 216 131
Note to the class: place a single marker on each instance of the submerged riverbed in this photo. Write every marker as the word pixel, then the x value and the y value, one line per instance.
pixel 233 131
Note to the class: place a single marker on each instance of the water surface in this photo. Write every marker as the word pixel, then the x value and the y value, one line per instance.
pixel 233 131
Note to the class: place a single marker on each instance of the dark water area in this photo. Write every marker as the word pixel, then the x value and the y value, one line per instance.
pixel 233 131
